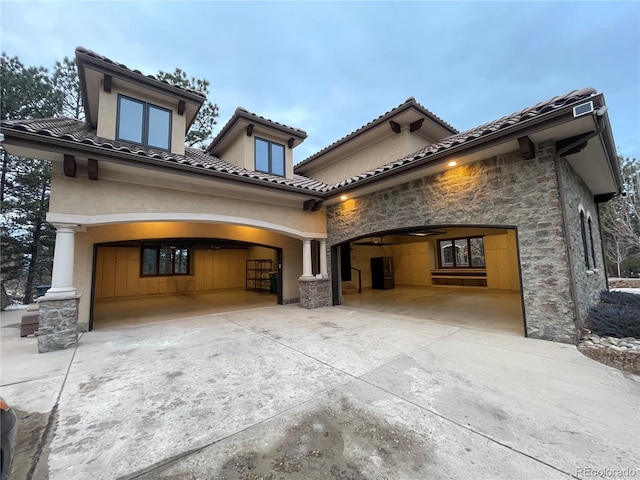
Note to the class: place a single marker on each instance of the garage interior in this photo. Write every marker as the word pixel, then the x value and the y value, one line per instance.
pixel 146 281
pixel 478 286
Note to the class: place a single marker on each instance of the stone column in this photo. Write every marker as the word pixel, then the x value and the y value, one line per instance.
pixel 62 276
pixel 306 259
pixel 58 308
pixel 323 258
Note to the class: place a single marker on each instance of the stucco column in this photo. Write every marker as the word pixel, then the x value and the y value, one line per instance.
pixel 323 258
pixel 306 259
pixel 62 276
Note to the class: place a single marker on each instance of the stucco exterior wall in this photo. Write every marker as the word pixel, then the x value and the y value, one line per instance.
pixel 236 153
pixel 500 191
pixel 588 282
pixel 110 197
pixel 85 241
pixel 381 152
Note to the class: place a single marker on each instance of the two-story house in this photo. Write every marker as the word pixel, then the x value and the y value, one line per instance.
pixel 509 206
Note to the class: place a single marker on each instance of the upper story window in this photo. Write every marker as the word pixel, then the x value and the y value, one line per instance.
pixel 462 253
pixel 143 123
pixel 269 157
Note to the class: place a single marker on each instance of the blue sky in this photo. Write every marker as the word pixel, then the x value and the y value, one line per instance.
pixel 331 67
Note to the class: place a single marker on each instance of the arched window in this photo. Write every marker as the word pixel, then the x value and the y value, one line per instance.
pixel 593 248
pixel 583 232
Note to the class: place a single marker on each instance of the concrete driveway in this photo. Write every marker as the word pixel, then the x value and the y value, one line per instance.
pixel 283 392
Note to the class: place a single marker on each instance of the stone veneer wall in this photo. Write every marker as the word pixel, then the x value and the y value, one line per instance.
pixel 589 282
pixel 501 191
pixel 58 319
pixel 315 293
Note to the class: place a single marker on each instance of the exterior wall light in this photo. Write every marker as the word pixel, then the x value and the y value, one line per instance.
pixel 452 163
pixel 343 197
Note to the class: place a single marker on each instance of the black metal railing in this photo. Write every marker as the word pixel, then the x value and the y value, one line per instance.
pixel 359 278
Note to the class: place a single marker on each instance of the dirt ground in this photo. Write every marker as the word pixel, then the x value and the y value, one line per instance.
pixel 314 448
pixel 623 361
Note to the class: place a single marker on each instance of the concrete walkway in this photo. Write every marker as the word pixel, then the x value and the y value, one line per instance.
pixel 283 392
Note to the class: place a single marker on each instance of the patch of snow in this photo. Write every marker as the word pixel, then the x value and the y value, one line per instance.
pixel 15 307
pixel 627 290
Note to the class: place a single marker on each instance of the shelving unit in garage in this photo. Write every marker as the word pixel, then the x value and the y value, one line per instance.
pixel 258 275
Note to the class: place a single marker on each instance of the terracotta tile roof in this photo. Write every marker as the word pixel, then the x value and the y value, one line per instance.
pixel 244 110
pixel 81 133
pixel 102 58
pixel 409 102
pixel 486 130
pixel 250 116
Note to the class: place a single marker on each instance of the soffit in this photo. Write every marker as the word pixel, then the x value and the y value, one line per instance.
pixel 592 164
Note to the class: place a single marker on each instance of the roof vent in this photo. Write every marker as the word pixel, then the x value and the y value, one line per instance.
pixel 582 109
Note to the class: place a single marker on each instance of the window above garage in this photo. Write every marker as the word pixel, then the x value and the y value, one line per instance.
pixel 258 144
pixel 269 157
pixel 143 123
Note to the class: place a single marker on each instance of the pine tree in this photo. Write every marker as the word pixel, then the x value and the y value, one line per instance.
pixel 200 133
pixel 27 239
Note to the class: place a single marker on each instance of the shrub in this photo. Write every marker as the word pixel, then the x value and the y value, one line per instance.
pixel 614 320
pixel 621 298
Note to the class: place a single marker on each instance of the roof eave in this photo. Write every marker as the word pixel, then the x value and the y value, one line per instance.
pixel 86 60
pixel 20 138
pixel 502 136
pixel 411 104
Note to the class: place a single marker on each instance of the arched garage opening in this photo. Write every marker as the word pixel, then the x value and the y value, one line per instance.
pixel 150 280
pixel 148 272
pixel 463 275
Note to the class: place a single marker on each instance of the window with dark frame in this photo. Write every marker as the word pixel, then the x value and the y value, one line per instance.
pixel 162 260
pixel 593 248
pixel 269 157
pixel 583 233
pixel 466 252
pixel 143 123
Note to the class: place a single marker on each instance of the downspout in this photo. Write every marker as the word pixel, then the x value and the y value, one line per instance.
pixel 573 289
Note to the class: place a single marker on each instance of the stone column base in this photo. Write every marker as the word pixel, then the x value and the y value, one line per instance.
pixel 315 292
pixel 58 327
